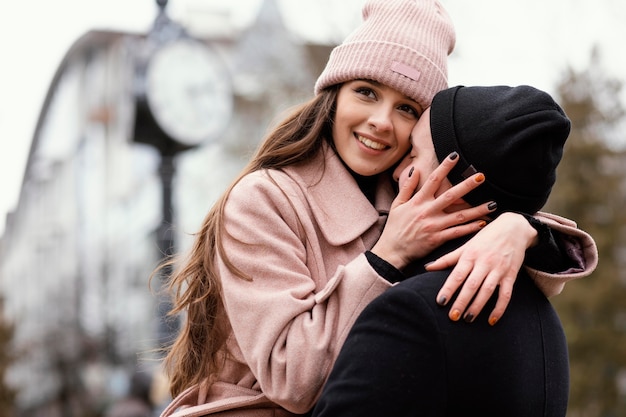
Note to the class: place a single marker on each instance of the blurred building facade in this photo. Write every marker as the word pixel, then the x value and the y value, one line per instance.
pixel 78 250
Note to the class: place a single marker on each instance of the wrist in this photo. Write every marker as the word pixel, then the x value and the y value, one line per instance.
pixel 542 230
pixel 523 226
pixel 391 257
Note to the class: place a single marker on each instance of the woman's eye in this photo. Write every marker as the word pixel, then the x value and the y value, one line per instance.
pixel 409 109
pixel 368 92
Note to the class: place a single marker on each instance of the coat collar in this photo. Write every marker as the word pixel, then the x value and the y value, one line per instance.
pixel 340 208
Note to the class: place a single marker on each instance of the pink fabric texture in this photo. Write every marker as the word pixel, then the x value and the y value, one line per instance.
pixel 403 44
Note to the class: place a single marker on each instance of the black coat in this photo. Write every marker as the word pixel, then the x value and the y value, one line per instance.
pixel 405 357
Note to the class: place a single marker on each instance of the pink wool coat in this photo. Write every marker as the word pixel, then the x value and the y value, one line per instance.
pixel 301 235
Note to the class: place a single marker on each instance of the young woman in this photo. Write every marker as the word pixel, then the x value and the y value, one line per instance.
pixel 293 251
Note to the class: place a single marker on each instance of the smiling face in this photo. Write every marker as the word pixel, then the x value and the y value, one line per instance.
pixel 372 126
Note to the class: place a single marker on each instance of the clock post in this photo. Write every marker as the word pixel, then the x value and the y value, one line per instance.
pixel 183 100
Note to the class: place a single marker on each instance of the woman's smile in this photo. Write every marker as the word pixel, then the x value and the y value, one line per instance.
pixel 371 144
pixel 372 126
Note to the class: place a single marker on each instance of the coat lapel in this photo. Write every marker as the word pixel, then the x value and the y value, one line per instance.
pixel 341 210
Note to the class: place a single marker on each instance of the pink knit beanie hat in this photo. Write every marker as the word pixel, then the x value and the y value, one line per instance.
pixel 403 44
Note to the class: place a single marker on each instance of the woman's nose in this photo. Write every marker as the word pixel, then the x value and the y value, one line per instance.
pixel 380 120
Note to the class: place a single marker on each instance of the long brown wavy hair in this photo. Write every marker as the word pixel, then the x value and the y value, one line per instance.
pixel 197 353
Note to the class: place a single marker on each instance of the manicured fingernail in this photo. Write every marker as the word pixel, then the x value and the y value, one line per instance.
pixel 482 224
pixel 469 317
pixel 479 178
pixel 492 206
pixel 442 300
pixel 411 171
pixel 453 156
pixel 493 320
pixel 455 315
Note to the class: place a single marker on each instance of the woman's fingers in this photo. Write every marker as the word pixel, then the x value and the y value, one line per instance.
pixel 406 188
pixel 454 232
pixel 455 194
pixel 432 184
pixel 446 261
pixel 420 221
pixel 469 289
pixel 504 287
pixel 478 293
pixel 487 263
pixel 455 279
pixel 504 297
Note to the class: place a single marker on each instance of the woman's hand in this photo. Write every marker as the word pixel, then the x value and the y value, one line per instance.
pixel 489 260
pixel 418 222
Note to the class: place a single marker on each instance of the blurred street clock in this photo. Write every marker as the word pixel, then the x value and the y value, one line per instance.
pixel 184 95
pixel 183 99
pixel 187 92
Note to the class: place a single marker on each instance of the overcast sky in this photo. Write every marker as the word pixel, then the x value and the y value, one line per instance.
pixel 498 42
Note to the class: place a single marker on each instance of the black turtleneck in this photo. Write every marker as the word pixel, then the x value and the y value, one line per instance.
pixel 367 184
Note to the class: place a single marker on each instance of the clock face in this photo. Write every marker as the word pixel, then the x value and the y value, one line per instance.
pixel 188 92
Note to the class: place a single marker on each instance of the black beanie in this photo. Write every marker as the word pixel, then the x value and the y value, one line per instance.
pixel 513 135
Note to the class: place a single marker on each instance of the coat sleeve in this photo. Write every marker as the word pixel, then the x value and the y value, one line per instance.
pixel 579 247
pixel 290 317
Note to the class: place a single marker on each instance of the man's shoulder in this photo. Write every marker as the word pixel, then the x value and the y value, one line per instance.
pixel 426 282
